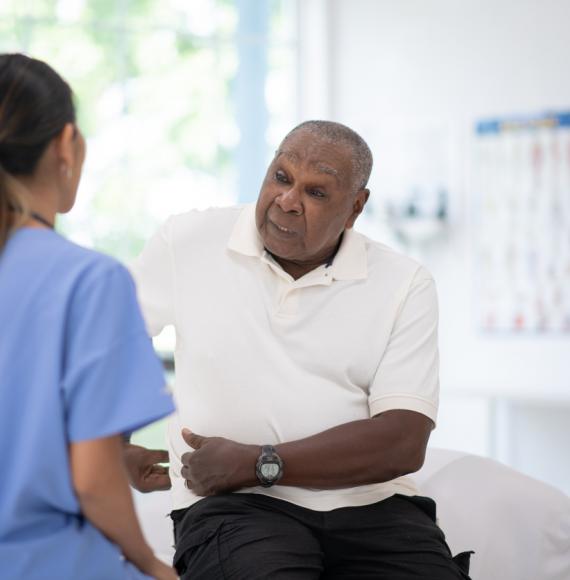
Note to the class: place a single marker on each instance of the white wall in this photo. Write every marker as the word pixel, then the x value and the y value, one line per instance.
pixel 445 64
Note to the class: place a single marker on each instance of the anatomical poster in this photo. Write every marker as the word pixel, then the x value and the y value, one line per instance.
pixel 521 178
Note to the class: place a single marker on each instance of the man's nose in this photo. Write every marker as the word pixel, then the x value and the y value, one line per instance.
pixel 290 201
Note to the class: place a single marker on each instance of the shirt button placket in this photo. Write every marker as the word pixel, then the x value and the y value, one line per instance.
pixel 288 303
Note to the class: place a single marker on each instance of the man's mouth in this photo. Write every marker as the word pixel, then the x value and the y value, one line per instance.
pixel 282 229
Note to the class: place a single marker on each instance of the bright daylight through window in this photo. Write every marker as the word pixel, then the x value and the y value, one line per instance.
pixel 167 100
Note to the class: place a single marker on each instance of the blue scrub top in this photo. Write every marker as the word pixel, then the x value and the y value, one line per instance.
pixel 76 363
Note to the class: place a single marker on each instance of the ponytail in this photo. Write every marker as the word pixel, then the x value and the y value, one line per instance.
pixel 13 210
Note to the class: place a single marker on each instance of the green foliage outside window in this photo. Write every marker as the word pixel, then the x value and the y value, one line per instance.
pixel 153 80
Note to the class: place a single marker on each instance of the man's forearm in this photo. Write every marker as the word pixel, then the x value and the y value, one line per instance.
pixel 357 453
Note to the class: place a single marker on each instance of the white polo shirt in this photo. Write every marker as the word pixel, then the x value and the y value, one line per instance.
pixel 262 358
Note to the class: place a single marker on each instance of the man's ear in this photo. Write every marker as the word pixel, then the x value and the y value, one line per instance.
pixel 358 204
pixel 65 148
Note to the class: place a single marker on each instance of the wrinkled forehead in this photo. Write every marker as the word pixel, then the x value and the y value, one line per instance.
pixel 320 155
pixel 316 165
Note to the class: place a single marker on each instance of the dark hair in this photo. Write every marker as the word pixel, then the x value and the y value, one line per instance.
pixel 339 133
pixel 35 105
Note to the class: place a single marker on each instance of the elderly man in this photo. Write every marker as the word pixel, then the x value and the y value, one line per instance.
pixel 306 380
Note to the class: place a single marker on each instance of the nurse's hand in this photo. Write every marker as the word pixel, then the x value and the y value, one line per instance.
pixel 160 571
pixel 142 467
pixel 218 465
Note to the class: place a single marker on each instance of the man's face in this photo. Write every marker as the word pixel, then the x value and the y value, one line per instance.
pixel 307 199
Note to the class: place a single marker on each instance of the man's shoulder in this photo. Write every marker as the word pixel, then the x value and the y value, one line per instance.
pixel 386 262
pixel 211 218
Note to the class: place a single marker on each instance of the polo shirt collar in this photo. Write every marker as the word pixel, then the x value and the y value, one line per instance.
pixel 245 238
pixel 349 263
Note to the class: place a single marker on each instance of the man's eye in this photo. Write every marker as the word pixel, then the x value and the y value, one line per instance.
pixel 281 177
pixel 316 193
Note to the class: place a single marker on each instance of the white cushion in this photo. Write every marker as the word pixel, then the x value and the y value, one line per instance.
pixel 518 527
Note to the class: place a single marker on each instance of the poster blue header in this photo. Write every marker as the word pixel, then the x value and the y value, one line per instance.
pixel 530 122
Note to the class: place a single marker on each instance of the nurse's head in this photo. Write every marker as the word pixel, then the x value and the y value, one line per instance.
pixel 41 149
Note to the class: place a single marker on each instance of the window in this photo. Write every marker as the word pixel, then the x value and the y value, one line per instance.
pixel 182 104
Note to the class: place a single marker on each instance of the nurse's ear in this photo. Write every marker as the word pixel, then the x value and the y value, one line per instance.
pixel 69 153
pixel 65 145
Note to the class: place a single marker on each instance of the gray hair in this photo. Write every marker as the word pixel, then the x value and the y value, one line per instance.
pixel 337 133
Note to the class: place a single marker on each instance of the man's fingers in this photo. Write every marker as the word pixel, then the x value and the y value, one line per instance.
pixel 193 439
pixel 157 456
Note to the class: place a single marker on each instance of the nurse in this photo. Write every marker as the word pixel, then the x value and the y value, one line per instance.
pixel 77 369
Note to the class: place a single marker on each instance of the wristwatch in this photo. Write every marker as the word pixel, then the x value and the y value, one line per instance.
pixel 269 466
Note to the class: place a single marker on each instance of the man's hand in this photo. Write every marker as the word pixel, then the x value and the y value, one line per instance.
pixel 144 473
pixel 218 465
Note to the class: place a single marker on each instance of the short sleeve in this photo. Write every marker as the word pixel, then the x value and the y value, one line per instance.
pixel 408 374
pixel 153 273
pixel 113 382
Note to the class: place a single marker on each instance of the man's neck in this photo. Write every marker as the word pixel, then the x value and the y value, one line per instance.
pixel 298 269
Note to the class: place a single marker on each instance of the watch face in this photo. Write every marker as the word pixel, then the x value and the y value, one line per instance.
pixel 269 470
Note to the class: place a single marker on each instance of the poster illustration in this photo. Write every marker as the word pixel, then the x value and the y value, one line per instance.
pixel 522 223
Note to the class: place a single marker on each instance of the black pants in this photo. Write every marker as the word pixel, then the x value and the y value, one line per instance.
pixel 251 536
